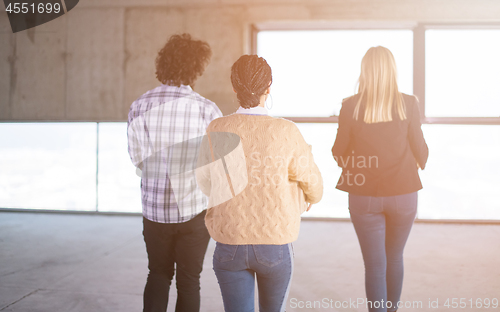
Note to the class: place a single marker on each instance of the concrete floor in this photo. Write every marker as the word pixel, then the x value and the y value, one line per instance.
pixel 66 263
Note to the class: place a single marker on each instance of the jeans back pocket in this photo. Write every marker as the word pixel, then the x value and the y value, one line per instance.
pixel 360 205
pixel 225 252
pixel 268 255
pixel 406 204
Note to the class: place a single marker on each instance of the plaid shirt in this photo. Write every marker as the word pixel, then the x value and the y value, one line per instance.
pixel 160 122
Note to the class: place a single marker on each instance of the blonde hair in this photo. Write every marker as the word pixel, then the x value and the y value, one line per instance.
pixel 378 87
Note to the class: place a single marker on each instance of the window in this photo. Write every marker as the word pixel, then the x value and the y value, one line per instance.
pixel 318 68
pixel 333 203
pixel 53 166
pixel 119 188
pixel 461 180
pixel 462 72
pixel 48 166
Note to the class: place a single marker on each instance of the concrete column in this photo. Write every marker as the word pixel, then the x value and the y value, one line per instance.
pixel 95 64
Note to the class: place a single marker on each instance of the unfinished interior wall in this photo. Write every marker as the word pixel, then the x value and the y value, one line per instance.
pixel 90 64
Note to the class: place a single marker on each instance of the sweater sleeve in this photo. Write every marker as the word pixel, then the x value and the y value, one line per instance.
pixel 343 138
pixel 303 169
pixel 416 137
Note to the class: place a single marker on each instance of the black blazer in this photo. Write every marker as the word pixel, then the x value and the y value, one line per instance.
pixel 380 159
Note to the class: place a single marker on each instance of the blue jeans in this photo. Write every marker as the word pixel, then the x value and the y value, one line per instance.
pixel 382 225
pixel 236 267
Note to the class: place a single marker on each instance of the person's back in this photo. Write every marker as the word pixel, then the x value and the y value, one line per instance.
pixel 157 120
pixel 279 164
pixel 379 158
pixel 164 125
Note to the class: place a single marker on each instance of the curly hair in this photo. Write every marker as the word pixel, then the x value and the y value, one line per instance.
pixel 250 76
pixel 182 60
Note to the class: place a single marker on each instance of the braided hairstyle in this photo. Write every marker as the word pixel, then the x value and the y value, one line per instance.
pixel 250 76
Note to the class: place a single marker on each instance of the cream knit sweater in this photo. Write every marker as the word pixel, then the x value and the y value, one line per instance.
pixel 281 174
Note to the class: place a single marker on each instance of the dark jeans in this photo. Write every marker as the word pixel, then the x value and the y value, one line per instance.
pixel 182 244
pixel 236 267
pixel 382 225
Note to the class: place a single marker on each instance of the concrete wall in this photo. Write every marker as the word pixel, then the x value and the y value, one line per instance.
pixel 93 62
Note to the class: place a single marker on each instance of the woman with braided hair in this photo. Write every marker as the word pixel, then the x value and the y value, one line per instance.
pixel 255 228
pixel 251 77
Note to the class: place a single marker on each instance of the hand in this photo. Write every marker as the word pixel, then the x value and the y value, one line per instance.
pixel 309 207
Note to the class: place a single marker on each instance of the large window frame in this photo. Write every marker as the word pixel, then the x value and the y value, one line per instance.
pixel 418 29
pixel 97 207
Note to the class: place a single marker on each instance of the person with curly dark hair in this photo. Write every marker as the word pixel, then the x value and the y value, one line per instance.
pixel 173 208
pixel 182 60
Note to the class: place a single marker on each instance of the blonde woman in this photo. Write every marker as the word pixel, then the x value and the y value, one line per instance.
pixel 380 146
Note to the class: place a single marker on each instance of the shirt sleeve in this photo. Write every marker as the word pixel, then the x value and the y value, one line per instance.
pixel 343 138
pixel 211 112
pixel 134 147
pixel 416 137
